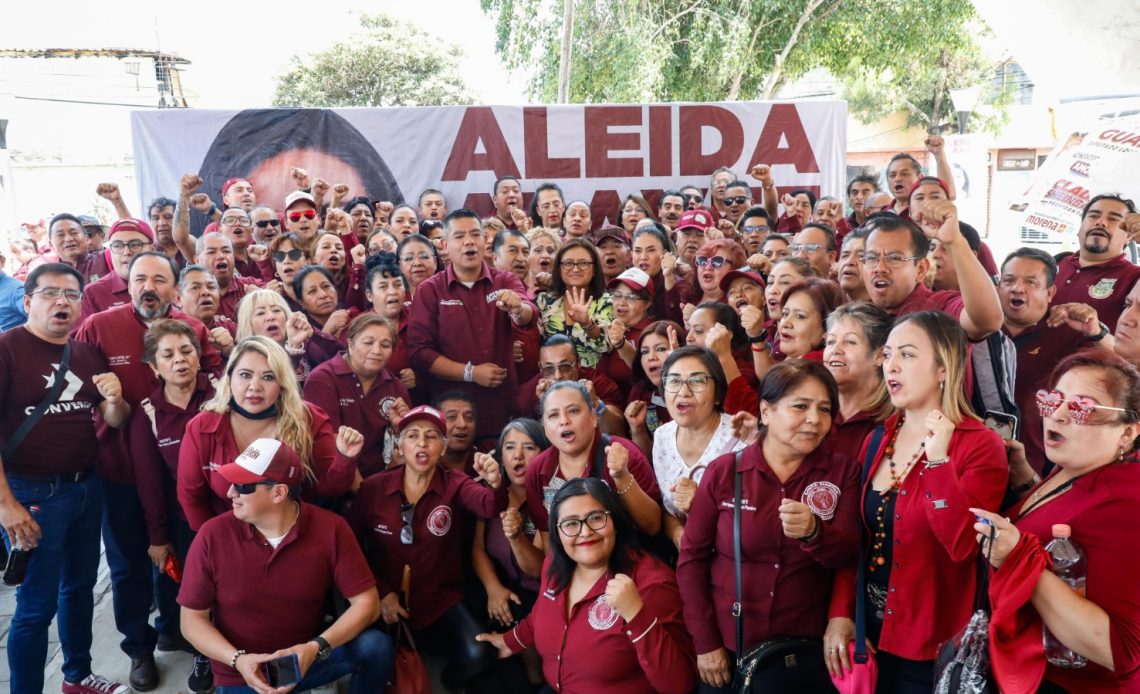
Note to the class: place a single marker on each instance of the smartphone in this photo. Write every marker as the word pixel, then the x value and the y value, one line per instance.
pixel 1002 424
pixel 282 671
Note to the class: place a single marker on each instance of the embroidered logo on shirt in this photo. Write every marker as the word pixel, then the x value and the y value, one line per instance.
pixel 821 498
pixel 386 407
pixel 439 522
pixel 1102 289
pixel 601 615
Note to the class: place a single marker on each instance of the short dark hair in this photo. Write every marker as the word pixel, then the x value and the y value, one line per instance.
pixel 857 234
pixel 382 265
pixel 711 364
pixel 190 269
pixel 299 279
pixel 162 327
pixel 502 236
pixel 755 211
pixel 788 375
pixel 666 242
pixel 454 394
pixel 973 239
pixel 864 178
pixel 430 191
pixel 461 213
pixel 352 204
pixel 908 157
pixel 31 283
pixel 672 193
pixel 560 340
pixel 776 236
pixel 535 217
pixel 156 254
pixel 499 181
pixel 828 233
pixel 1038 255
pixel 161 202
pixel 1103 196
pixel 737 183
pixel 419 238
pixel 626 544
pixel 65 216
pixel 597 285
pixel 729 318
pixel 660 329
pixel 920 243
pixel 804 191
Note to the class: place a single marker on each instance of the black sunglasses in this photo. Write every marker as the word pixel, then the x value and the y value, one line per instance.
pixel 294 254
pixel 251 487
pixel 265 223
pixel 738 200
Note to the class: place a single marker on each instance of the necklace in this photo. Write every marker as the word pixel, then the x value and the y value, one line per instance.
pixel 879 537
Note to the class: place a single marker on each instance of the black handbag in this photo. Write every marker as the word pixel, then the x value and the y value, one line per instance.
pixel 788 664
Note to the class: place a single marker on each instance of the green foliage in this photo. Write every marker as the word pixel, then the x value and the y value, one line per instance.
pixel 887 54
pixel 390 63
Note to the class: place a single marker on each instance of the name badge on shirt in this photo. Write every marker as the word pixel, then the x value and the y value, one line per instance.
pixel 940 504
pixel 450 302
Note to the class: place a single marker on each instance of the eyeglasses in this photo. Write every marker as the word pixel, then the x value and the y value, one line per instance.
pixel 698 383
pixel 413 257
pixel 621 296
pixel 892 259
pixel 549 370
pixel 407 511
pixel 755 229
pixel 53 293
pixel 696 199
pixel 294 254
pixel 738 200
pixel 251 487
pixel 717 261
pixel 266 223
pixel 810 248
pixel 579 264
pixel 595 520
pixel 307 214
pixel 1080 407
pixel 133 246
pixel 235 221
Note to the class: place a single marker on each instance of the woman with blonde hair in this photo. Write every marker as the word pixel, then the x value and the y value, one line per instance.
pixel 543 247
pixel 853 353
pixel 259 397
pixel 265 313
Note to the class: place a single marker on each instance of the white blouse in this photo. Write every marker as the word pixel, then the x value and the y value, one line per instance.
pixel 670 467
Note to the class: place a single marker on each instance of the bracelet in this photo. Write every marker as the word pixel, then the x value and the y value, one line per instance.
pixel 294 351
pixel 766 348
pixel 593 324
pixel 1022 488
pixel 937 463
pixel 814 533
pixel 468 373
pixel 629 486
pixel 233 660
pixel 213 210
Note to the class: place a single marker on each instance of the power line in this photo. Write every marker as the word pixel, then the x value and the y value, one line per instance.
pixel 79 101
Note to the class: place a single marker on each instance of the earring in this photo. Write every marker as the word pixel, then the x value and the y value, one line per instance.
pixel 942 385
pixel 1120 456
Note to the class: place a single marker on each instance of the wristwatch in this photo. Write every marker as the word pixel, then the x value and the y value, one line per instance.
pixel 1099 336
pixel 323 648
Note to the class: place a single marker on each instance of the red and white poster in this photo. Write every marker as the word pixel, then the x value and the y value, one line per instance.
pixel 599 154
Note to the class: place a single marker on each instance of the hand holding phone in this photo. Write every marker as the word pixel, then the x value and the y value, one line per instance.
pixel 283 671
pixel 1002 424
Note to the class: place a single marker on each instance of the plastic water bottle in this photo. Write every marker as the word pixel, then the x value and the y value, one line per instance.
pixel 1070 566
pixel 18 558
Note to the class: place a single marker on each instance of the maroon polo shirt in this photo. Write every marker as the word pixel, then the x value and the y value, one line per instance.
pixel 108 291
pixel 847 435
pixel 658 413
pixel 334 388
pixel 63 441
pixel 247 268
pixel 118 334
pixel 588 647
pixel 785 581
pixel 667 303
pixel 923 299
pixel 264 599
pixel 526 402
pixel 157 427
pixel 615 367
pixel 92 266
pixel 209 443
pixel 448 319
pixel 233 294
pixel 1102 286
pixel 545 465
pixel 437 553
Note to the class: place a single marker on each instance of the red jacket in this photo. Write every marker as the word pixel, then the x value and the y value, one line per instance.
pixel 933 577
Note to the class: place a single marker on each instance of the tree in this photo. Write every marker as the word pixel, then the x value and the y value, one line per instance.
pixel 390 63
pixel 725 50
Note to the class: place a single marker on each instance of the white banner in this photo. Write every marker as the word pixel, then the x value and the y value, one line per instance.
pixel 598 154
pixel 1102 159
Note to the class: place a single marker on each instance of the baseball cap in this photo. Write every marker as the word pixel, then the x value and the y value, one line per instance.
pixel 610 231
pixel 299 196
pixel 424 412
pixel 733 275
pixel 132 224
pixel 694 219
pixel 636 279
pixel 86 220
pixel 230 181
pixel 264 460
pixel 925 181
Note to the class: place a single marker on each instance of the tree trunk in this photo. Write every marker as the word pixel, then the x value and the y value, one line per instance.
pixel 567 51
pixel 774 78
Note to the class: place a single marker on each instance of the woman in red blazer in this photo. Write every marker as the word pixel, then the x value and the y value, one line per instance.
pixel 934 463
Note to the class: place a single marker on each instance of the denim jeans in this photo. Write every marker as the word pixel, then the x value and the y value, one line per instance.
pixel 370 658
pixel 60 576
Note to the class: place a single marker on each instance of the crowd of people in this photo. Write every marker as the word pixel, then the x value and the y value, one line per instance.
pixel 553 449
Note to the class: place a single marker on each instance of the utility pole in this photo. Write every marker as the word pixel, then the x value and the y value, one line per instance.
pixel 567 51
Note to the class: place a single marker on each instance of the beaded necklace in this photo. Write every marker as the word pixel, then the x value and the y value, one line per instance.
pixel 879 537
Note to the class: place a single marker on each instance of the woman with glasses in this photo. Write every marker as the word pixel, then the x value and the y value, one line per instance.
pixel 265 313
pixel 258 397
pixel 577 304
pixel 287 255
pixel 632 295
pixel 714 260
pixel 645 408
pixel 381 241
pixel 612 622
pixel 540 266
pixel 695 388
pixel 419 260
pixel 633 209
pixel 934 463
pixel 579 449
pixel 547 206
pixel 407 519
pixel 1091 416
pixel 799 524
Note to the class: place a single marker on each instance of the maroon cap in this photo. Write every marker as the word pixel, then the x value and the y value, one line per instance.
pixel 265 460
pixel 610 231
pixel 927 180
pixel 210 228
pixel 733 275
pixel 695 219
pixel 427 413
pixel 230 181
pixel 131 224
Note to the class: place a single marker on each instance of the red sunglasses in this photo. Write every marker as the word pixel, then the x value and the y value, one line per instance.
pixel 1080 407
pixel 307 214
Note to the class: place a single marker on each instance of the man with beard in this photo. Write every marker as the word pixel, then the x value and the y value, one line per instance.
pixel 199 296
pixel 117 334
pixel 1098 274
pixel 96 233
pixel 128 237
pixel 512 252
pixel 671 207
pixel 266 224
pixel 238 192
pixel 215 253
pixel 433 205
pixel 737 199
pixel 237 227
pixel 508 199
pixel 613 250
pixel 70 243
